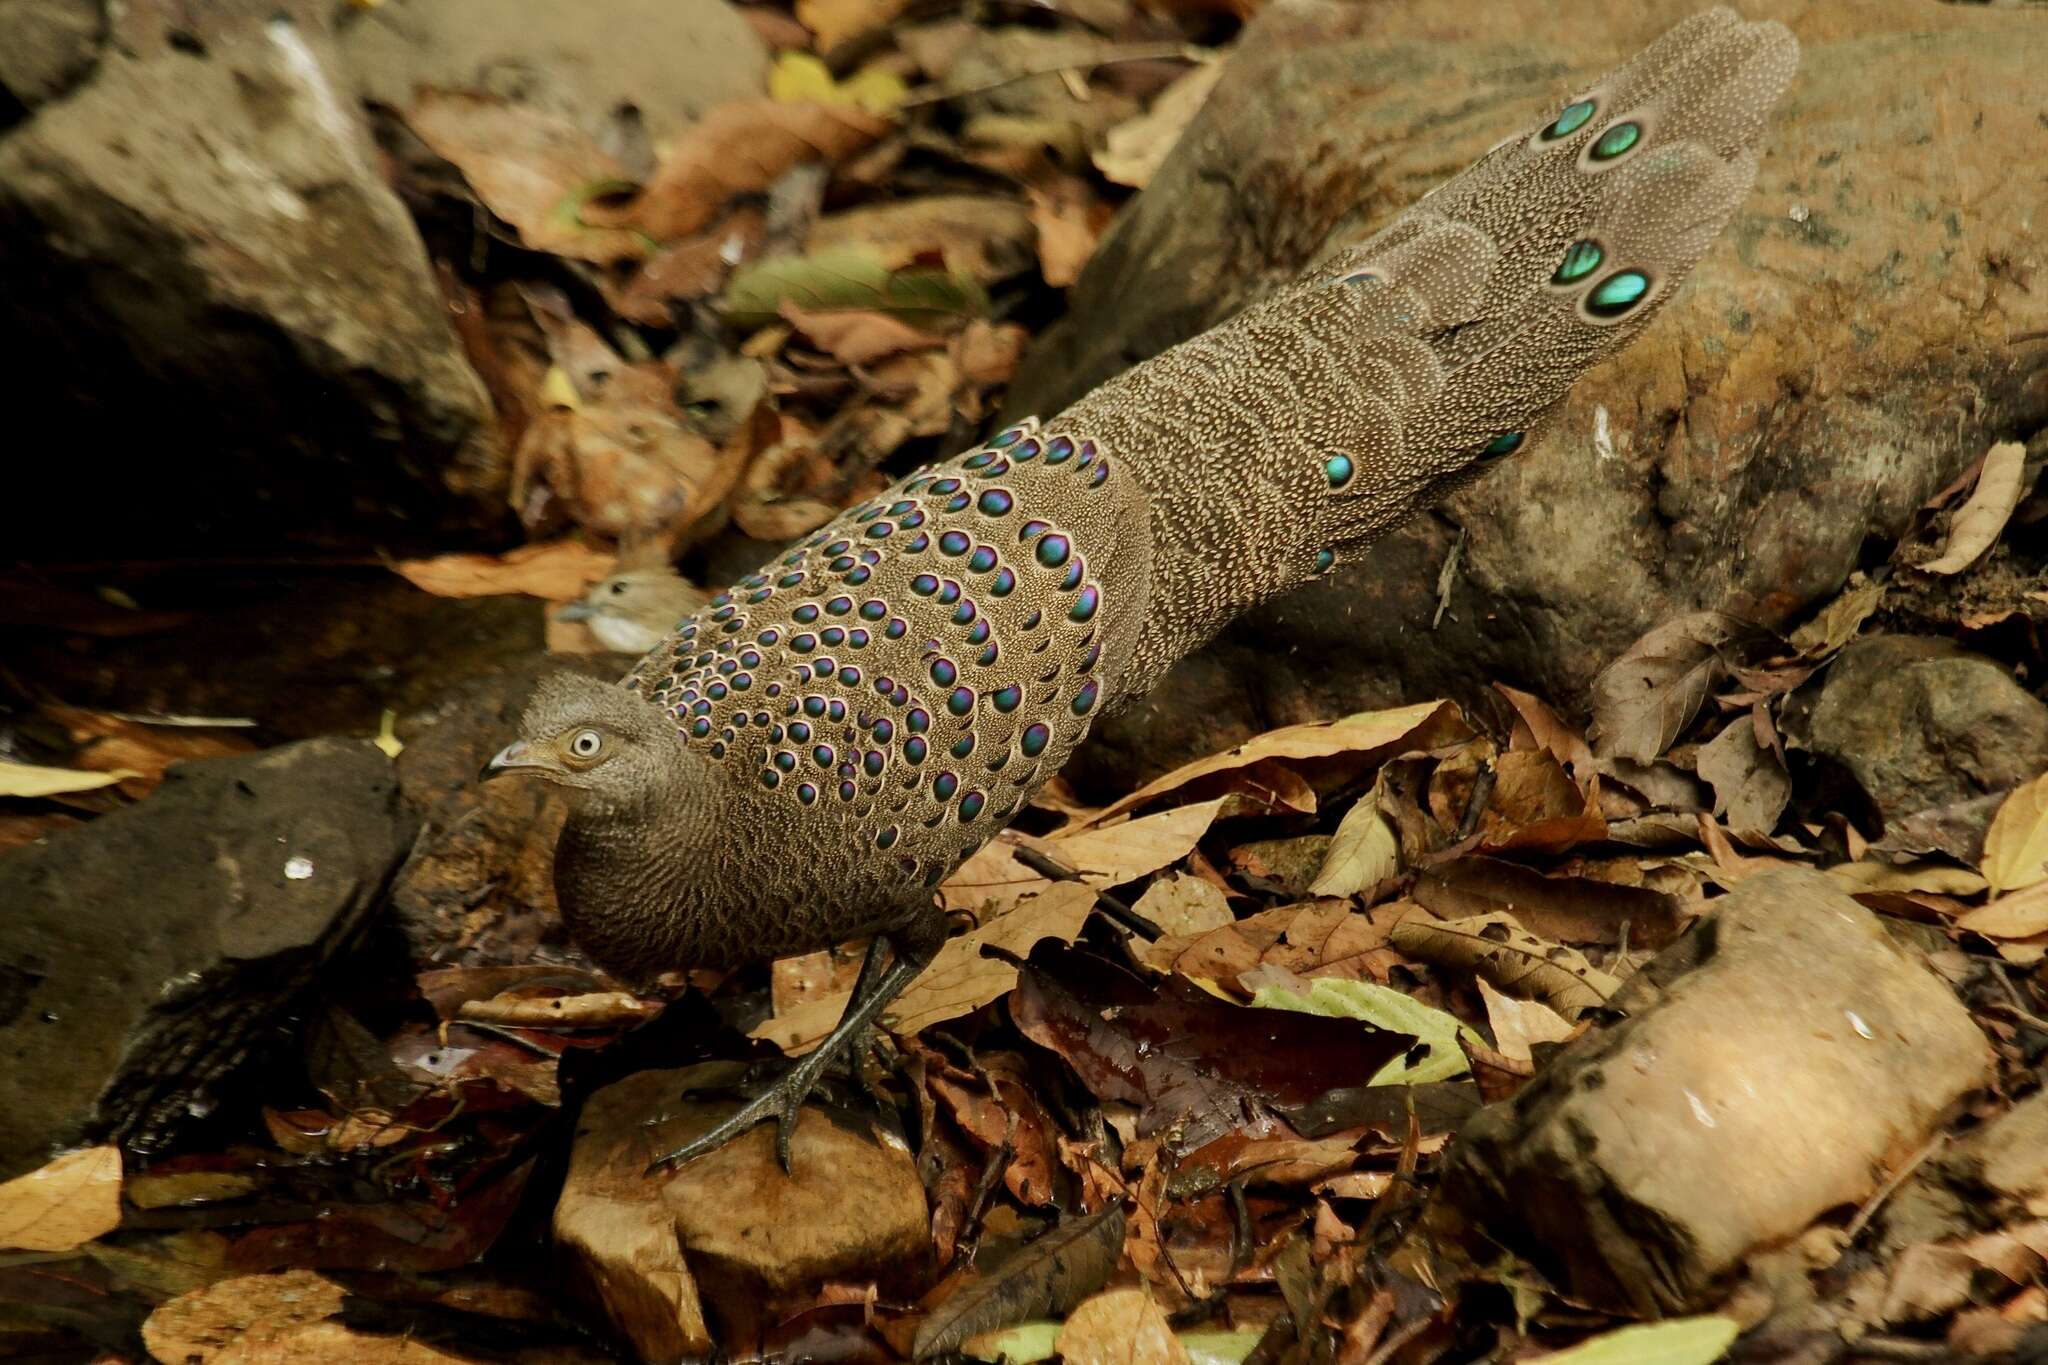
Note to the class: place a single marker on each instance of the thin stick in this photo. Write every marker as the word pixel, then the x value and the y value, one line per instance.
pixel 1891 1185
pixel 1130 919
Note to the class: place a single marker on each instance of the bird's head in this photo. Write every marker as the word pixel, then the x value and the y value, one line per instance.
pixel 633 612
pixel 615 753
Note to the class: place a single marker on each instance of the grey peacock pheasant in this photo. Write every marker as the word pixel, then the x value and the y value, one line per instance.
pixel 804 759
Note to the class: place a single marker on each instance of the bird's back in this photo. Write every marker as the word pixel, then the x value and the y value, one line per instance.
pixel 886 695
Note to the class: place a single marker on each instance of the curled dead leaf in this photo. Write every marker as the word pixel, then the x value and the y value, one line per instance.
pixel 1982 517
pixel 1496 948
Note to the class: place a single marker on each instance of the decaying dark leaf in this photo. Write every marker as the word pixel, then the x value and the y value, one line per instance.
pixel 1198 1065
pixel 1044 1277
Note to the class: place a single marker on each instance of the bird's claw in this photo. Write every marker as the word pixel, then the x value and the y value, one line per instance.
pixel 782 1101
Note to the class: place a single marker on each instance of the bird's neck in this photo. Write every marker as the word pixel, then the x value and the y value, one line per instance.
pixel 629 880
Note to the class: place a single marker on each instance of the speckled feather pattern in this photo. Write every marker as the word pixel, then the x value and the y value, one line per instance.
pixel 877 702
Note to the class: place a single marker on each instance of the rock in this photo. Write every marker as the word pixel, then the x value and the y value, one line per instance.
pixel 632 73
pixel 1919 723
pixel 47 46
pixel 1777 414
pixel 1776 1061
pixel 479 888
pixel 225 311
pixel 146 955
pixel 731 1222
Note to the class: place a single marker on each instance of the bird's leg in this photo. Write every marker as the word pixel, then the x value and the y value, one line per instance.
pixel 860 1051
pixel 914 946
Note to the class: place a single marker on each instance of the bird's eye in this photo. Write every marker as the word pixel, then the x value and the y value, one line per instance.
pixel 618 588
pixel 586 743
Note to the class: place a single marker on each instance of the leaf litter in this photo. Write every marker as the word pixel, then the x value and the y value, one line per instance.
pixel 810 291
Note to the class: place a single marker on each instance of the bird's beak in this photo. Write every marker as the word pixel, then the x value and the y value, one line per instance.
pixel 514 757
pixel 576 611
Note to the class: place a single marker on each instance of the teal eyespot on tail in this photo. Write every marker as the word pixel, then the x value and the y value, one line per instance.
pixel 1570 119
pixel 1581 259
pixel 1618 295
pixel 1617 140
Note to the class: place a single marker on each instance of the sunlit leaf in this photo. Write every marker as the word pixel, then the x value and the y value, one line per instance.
pixel 1680 1341
pixel 1386 1009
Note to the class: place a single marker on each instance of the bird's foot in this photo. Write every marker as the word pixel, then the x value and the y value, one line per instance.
pixel 781 1101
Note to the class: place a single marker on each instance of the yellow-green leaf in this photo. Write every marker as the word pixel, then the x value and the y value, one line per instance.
pixel 1387 1009
pixel 800 78
pixel 844 279
pixel 1680 1341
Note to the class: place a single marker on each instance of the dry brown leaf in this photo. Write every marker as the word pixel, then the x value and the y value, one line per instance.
pixel 959 980
pixel 1570 909
pixel 983 237
pixel 859 337
pixel 1940 878
pixel 32 780
pixel 1044 1276
pixel 1836 624
pixel 1368 733
pixel 1107 856
pixel 1646 697
pixel 1537 808
pixel 240 1318
pixel 598 1009
pixel 614 448
pixel 2019 914
pixel 533 169
pixel 1496 948
pixel 743 147
pixel 1979 520
pixel 694 267
pixel 1751 786
pixel 2016 845
pixel 988 352
pixel 556 571
pixel 1070 220
pixel 1120 1327
pixel 1134 150
pixel 64 1204
pixel 139 751
pixel 1539 727
pixel 1363 853
pixel 1185 905
pixel 1516 1024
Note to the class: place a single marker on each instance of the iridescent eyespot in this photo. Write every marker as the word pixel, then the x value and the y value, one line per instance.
pixel 1339 471
pixel 1581 259
pixel 1507 443
pixel 1618 294
pixel 1570 119
pixel 1616 140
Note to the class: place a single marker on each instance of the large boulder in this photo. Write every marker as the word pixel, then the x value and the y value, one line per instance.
pixel 1840 354
pixel 147 955
pixel 1918 723
pixel 227 319
pixel 1774 1063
